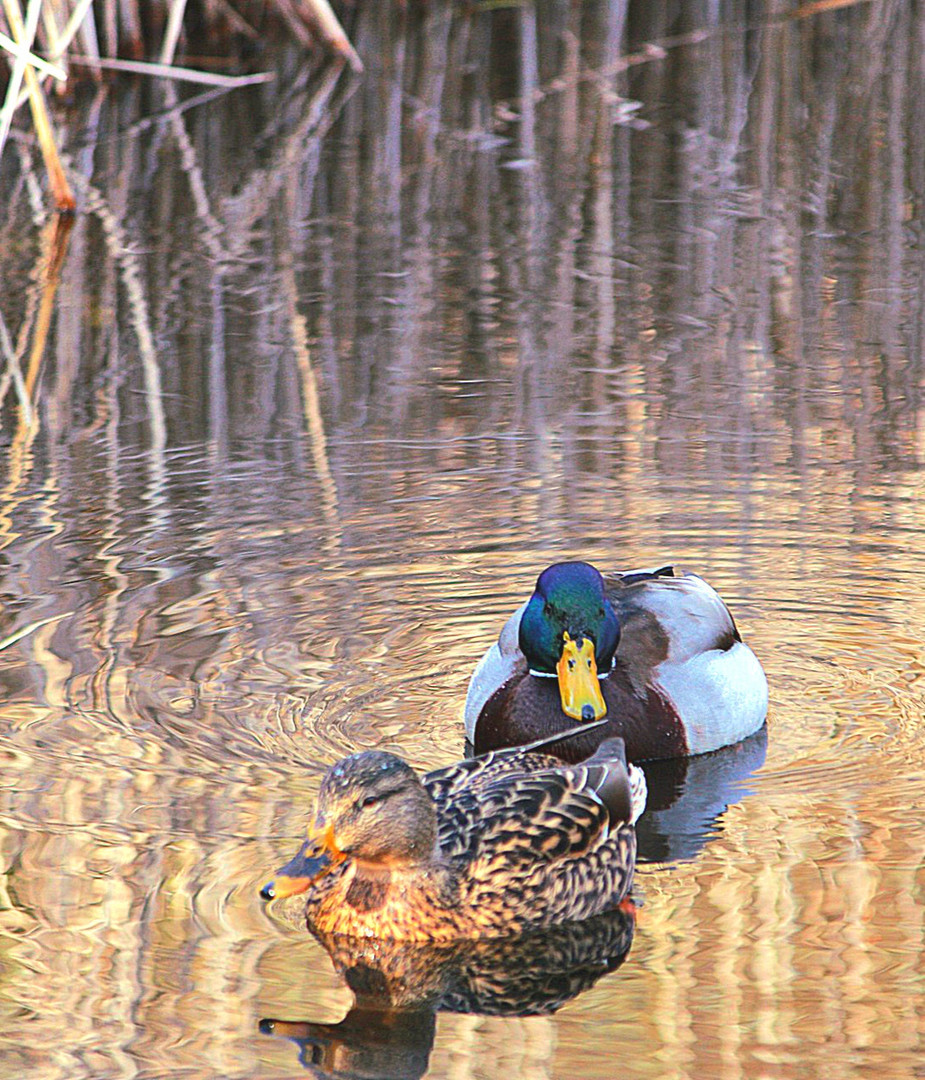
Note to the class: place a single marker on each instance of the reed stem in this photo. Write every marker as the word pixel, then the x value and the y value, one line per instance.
pixel 60 188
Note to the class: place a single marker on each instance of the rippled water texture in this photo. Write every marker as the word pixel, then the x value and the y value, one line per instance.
pixel 324 373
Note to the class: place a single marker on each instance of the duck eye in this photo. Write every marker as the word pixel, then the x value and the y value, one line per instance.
pixel 571 665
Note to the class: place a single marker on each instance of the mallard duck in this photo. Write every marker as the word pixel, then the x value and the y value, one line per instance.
pixel 655 652
pixel 486 847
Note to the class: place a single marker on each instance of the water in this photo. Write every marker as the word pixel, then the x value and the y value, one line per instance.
pixel 330 370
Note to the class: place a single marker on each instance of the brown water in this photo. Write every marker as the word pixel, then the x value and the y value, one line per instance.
pixel 330 369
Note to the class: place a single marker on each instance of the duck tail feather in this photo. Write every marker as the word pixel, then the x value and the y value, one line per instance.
pixel 607 776
pixel 640 792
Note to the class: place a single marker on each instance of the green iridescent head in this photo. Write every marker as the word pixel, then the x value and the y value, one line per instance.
pixel 569 629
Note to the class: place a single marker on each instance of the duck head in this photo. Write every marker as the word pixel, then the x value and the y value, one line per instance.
pixel 570 630
pixel 371 808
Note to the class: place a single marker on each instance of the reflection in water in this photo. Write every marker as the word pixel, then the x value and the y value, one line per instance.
pixel 391 1044
pixel 688 797
pixel 399 988
pixel 330 369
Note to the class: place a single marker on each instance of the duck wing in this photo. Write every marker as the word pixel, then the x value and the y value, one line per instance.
pixel 680 608
pixel 443 785
pixel 521 820
pixel 526 805
pixel 621 788
pixel 679 640
pixel 499 663
pixel 533 850
pixel 666 618
pixel 473 773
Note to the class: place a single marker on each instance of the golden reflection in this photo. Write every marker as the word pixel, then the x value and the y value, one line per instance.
pixel 399 988
pixel 670 310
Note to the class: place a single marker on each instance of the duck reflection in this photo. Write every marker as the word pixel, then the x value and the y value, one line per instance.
pixel 368 1043
pixel 399 988
pixel 688 797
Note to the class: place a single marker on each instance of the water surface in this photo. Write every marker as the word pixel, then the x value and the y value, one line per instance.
pixel 327 371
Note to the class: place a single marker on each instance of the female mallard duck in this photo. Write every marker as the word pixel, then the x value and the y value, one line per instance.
pixel 658 654
pixel 484 848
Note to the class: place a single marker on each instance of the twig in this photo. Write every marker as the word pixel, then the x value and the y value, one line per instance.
pixel 172 33
pixel 13 373
pixel 291 16
pixel 130 23
pixel 37 62
pixel 58 230
pixel 90 40
pixel 61 189
pixel 60 42
pixel 111 27
pixel 237 22
pixel 320 17
pixel 51 34
pixel 806 11
pixel 168 71
pixel 26 35
pixel 63 40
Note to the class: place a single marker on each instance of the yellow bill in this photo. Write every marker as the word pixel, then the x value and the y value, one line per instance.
pixel 579 687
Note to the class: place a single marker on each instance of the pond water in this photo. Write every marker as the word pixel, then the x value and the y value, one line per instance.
pixel 324 373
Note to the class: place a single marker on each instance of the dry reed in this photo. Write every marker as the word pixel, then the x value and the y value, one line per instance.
pixel 75 44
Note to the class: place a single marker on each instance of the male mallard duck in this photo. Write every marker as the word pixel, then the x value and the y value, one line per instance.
pixel 483 848
pixel 658 654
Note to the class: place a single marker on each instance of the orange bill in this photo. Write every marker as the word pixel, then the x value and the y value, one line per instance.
pixel 579 687
pixel 317 856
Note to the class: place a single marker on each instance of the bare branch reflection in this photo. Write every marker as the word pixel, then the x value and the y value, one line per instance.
pixel 331 368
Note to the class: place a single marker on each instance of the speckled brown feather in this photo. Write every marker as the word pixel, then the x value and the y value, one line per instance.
pixel 551 841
